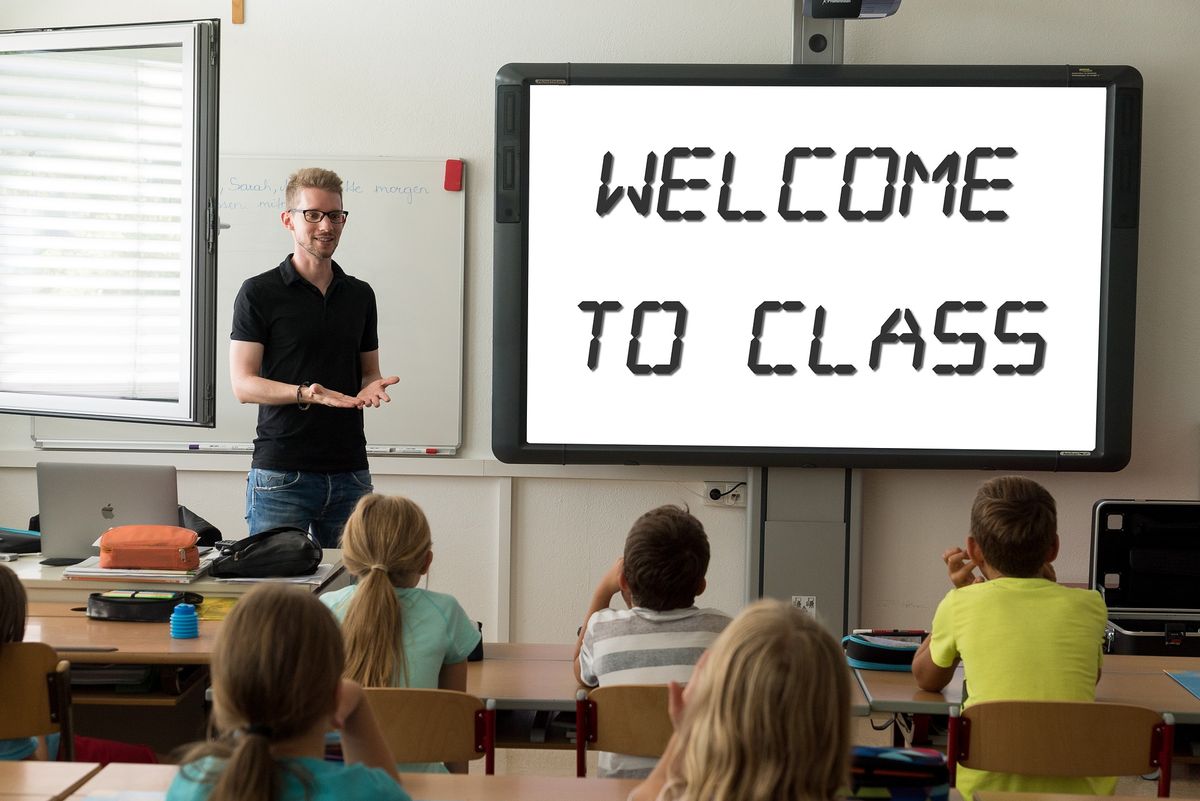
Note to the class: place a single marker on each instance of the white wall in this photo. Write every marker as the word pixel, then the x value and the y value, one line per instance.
pixel 910 516
pixel 415 78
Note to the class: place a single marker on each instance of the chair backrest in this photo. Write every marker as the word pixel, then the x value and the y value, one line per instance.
pixel 35 694
pixel 1063 738
pixel 433 725
pixel 629 719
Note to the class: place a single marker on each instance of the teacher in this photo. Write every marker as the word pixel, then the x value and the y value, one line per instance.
pixel 305 348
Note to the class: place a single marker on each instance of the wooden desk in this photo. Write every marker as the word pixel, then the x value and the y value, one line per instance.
pixel 993 795
pixel 540 677
pixel 46 780
pixel 1118 663
pixel 181 664
pixel 44 583
pixel 1124 679
pixel 525 676
pixel 530 652
pixel 67 628
pixel 473 787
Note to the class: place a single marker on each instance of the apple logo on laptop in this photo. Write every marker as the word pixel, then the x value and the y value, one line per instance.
pixel 106 511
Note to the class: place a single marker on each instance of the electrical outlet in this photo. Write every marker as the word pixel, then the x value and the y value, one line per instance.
pixel 725 493
pixel 806 602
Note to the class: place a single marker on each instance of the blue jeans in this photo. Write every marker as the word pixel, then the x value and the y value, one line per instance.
pixel 316 502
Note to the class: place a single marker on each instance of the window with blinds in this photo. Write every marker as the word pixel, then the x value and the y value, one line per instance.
pixel 107 248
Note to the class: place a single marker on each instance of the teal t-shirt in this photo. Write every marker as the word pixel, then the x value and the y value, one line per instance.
pixel 434 628
pixel 18 749
pixel 327 781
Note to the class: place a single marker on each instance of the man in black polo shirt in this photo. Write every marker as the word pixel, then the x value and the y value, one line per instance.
pixel 305 348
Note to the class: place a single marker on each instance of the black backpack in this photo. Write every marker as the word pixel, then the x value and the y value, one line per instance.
pixel 282 551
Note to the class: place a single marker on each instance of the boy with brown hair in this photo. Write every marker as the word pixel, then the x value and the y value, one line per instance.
pixel 1019 635
pixel 662 635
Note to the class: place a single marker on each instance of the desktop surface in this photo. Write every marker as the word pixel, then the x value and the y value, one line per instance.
pixel 46 583
pixel 117 778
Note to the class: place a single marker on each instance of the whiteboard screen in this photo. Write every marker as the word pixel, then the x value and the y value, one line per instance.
pixel 404 237
pixel 900 268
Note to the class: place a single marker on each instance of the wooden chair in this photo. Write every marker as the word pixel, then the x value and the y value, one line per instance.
pixel 35 694
pixel 1062 738
pixel 435 725
pixel 629 719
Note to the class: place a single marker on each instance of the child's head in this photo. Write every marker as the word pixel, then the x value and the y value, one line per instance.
pixel 386 544
pixel 666 557
pixel 1015 524
pixel 768 714
pixel 12 606
pixel 276 672
pixel 389 535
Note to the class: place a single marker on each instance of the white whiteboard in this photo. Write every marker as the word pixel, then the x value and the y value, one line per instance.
pixel 405 237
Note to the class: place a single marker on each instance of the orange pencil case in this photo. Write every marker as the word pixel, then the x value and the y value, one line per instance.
pixel 149 547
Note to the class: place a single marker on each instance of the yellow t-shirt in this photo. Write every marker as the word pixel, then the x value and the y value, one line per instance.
pixel 1025 640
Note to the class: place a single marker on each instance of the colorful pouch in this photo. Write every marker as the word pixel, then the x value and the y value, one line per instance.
pixel 914 774
pixel 149 547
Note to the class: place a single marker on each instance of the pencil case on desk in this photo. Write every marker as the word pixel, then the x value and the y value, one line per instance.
pixel 139 606
pixel 149 547
pixel 865 652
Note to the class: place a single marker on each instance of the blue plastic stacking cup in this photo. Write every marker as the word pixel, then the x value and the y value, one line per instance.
pixel 185 625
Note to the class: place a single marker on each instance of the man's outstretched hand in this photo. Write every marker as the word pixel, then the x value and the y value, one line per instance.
pixel 375 393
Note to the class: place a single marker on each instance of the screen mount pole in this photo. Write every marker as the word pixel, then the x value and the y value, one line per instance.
pixel 805 524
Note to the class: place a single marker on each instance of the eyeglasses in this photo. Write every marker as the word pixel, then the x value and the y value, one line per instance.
pixel 337 217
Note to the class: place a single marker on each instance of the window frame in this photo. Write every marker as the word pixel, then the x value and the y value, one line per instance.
pixel 199 43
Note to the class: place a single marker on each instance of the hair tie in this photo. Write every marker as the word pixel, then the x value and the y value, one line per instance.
pixel 260 730
pixel 379 567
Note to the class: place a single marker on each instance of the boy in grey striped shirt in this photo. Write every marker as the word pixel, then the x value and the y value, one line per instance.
pixel 660 638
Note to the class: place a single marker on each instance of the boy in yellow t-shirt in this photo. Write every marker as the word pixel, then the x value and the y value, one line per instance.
pixel 1020 635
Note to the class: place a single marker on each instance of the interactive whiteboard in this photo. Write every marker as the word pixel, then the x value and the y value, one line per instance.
pixel 405 237
pixel 845 266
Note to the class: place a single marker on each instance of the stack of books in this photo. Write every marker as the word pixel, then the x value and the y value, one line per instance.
pixel 89 570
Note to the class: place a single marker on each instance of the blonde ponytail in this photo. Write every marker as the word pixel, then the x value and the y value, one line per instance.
pixel 385 544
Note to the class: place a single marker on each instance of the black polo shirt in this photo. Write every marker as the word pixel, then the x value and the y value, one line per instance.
pixel 307 336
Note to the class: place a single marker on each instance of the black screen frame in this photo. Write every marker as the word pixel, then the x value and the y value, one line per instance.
pixel 1114 397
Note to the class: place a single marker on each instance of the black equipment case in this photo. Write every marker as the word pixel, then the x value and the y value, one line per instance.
pixel 1146 563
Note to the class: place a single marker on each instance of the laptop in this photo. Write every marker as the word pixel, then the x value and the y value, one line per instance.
pixel 79 502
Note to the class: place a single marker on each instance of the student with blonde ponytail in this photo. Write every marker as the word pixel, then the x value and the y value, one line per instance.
pixel 397 634
pixel 766 716
pixel 277 688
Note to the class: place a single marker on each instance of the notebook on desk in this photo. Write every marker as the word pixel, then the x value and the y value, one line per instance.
pixel 79 502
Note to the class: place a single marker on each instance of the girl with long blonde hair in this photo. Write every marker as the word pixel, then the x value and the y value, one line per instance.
pixel 766 716
pixel 277 689
pixel 398 634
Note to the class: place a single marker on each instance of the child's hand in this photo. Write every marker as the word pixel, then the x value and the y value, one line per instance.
pixel 676 702
pixel 610 582
pixel 960 567
pixel 349 698
pixel 678 694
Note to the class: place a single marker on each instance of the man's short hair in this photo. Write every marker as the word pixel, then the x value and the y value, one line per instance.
pixel 1014 520
pixel 311 178
pixel 666 557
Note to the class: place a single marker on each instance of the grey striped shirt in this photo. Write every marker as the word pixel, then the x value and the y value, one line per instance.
pixel 642 646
